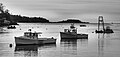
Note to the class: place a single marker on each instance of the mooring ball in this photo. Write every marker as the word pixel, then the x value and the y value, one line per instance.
pixel 10 45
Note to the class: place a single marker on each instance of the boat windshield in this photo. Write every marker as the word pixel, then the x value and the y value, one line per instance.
pixel 31 35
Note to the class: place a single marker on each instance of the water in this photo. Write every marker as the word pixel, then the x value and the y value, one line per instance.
pixel 97 45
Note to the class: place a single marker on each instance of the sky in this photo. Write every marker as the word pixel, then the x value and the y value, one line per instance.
pixel 57 10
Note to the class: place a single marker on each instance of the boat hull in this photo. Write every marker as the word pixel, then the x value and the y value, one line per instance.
pixel 82 25
pixel 106 31
pixel 65 35
pixel 25 41
pixel 11 27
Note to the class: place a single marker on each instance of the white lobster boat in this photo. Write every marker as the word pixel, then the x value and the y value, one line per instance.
pixel 72 34
pixel 32 38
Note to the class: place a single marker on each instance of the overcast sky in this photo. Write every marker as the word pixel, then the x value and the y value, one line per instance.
pixel 56 10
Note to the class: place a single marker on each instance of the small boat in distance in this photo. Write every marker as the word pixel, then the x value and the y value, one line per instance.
pixel 32 38
pixel 82 25
pixel 11 27
pixel 107 30
pixel 72 34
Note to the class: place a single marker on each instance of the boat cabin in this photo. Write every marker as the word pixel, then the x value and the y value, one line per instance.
pixel 71 30
pixel 72 26
pixel 33 35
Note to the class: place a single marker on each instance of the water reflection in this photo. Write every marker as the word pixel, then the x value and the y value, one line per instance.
pixel 5 50
pixel 30 50
pixel 100 45
pixel 69 46
pixel 69 41
pixel 83 42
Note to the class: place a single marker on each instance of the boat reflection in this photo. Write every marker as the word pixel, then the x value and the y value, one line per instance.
pixel 73 42
pixel 82 42
pixel 26 48
pixel 30 50
pixel 100 45
pixel 69 46
pixel 69 41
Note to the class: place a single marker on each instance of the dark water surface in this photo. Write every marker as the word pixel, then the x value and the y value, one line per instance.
pixel 97 45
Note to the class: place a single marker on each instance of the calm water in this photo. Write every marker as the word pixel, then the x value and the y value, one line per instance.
pixel 97 45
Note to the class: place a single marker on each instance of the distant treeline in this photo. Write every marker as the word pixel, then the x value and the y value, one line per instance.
pixel 19 18
pixel 25 19
pixel 70 21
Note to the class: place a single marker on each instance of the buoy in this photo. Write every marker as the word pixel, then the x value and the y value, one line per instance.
pixel 46 29
pixel 10 45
